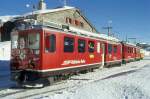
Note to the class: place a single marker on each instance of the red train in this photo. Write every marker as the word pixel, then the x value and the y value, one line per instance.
pixel 44 54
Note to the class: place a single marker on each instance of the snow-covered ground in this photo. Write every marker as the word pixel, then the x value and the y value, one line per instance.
pixel 4 64
pixel 130 81
pixel 134 84
pixel 4 74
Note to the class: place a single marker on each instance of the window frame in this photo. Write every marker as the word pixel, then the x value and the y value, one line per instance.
pixel 50 50
pixel 109 50
pixel 91 50
pixel 115 49
pixel 79 41
pixel 65 49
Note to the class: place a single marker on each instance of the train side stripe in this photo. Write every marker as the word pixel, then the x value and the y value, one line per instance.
pixel 64 68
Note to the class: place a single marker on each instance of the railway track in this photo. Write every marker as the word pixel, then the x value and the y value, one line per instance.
pixel 19 92
pixel 78 84
pixel 75 81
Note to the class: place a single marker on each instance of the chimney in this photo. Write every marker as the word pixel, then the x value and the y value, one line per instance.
pixel 42 5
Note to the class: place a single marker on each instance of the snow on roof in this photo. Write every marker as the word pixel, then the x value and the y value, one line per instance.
pixel 48 10
pixel 97 35
pixel 7 17
pixel 130 44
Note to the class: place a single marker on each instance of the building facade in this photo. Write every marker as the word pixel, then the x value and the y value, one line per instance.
pixel 65 15
pixel 68 16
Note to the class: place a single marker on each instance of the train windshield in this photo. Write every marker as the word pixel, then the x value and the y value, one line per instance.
pixel 28 40
pixel 34 40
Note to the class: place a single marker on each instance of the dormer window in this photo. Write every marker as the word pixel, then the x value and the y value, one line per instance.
pixel 76 22
pixel 68 20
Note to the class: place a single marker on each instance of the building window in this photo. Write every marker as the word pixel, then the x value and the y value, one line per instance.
pixel 68 44
pixel 68 20
pixel 91 46
pixel 109 48
pixel 76 22
pixel 50 43
pixel 81 46
pixel 115 49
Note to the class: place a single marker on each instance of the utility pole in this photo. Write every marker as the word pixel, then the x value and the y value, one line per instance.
pixel 133 39
pixel 109 27
pixel 65 2
pixel 126 38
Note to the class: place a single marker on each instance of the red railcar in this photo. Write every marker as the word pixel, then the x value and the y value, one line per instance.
pixel 137 53
pixel 42 54
pixel 128 52
pixel 113 53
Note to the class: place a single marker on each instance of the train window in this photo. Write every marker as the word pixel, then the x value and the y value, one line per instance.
pixel 128 50
pixel 34 40
pixel 50 43
pixel 91 46
pixel 68 44
pixel 81 46
pixel 22 43
pixel 115 49
pixel 14 38
pixel 109 48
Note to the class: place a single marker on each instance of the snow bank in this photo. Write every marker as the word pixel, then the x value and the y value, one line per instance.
pixel 4 64
pixel 147 53
pixel 5 50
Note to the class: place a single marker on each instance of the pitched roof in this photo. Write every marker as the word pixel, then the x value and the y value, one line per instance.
pixel 61 9
pixel 49 10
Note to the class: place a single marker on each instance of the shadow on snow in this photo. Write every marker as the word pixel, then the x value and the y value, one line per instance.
pixel 5 74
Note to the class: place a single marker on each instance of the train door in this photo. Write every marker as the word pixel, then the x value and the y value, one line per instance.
pixel 103 54
pixel 50 56
pixel 69 55
pixel 81 50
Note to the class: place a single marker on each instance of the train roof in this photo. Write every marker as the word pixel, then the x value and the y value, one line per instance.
pixel 131 44
pixel 128 43
pixel 81 32
pixel 95 35
pixel 66 28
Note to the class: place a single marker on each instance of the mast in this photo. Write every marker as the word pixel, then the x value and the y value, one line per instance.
pixel 42 5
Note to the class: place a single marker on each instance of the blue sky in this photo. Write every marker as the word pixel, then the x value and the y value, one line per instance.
pixel 129 17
